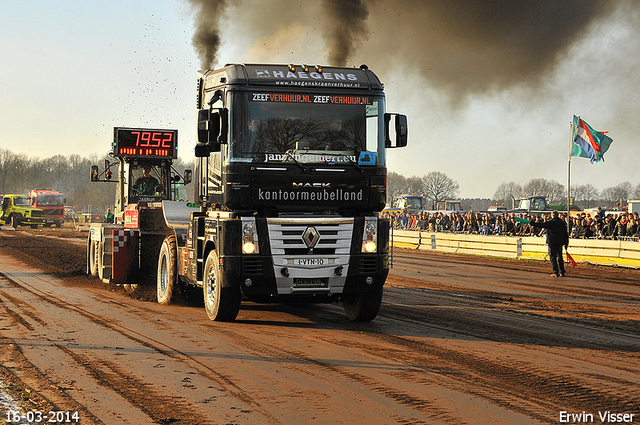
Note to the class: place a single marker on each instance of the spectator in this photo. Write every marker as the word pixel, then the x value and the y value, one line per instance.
pixel 108 216
pixel 588 226
pixel 621 226
pixel 632 227
pixel 557 237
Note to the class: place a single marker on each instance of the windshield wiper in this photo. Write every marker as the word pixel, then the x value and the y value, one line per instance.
pixel 351 161
pixel 298 163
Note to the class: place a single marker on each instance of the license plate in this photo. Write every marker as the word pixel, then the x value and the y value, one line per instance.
pixel 310 261
pixel 315 282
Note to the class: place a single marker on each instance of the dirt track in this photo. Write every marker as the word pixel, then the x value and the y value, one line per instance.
pixel 459 339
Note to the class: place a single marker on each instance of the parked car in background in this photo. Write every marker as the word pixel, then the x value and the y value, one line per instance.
pixel 70 213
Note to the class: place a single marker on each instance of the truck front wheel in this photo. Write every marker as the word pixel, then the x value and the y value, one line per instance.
pixel 221 304
pixel 93 258
pixel 15 221
pixel 166 270
pixel 363 306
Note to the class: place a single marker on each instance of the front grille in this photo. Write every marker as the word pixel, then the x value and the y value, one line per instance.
pixel 287 235
pixel 54 212
pixel 37 213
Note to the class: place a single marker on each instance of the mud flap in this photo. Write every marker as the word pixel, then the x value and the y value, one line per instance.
pixel 124 256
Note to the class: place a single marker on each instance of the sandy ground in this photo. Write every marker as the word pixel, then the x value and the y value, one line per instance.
pixel 459 339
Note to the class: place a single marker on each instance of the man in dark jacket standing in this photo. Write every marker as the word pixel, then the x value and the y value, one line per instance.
pixel 557 237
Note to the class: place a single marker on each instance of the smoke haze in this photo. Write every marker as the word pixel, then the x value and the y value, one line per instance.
pixel 461 47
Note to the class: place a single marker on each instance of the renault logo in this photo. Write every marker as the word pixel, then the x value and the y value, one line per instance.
pixel 310 237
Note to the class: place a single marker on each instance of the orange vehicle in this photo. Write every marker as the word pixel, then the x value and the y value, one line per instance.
pixel 51 202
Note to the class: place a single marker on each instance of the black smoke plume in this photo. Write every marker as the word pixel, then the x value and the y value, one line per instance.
pixel 476 46
pixel 345 26
pixel 461 47
pixel 206 39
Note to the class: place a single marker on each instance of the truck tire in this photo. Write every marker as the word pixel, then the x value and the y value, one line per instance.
pixel 363 306
pixel 221 304
pixel 100 259
pixel 93 258
pixel 167 278
pixel 15 221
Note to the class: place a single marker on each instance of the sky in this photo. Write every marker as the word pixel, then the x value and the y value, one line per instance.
pixel 489 88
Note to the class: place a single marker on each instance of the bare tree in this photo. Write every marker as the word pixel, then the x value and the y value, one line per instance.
pixel 414 185
pixel 619 194
pixel 396 185
pixel 636 192
pixel 609 196
pixel 535 187
pixel 438 186
pixel 556 192
pixel 506 192
pixel 552 188
pixel 7 165
pixel 585 193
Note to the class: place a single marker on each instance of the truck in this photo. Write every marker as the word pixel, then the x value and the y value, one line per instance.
pixel 17 211
pixel 289 179
pixel 410 203
pixel 126 251
pixel 51 202
pixel 530 204
pixel 449 205
pixel 413 204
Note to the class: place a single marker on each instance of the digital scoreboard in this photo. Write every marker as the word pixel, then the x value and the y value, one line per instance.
pixel 145 143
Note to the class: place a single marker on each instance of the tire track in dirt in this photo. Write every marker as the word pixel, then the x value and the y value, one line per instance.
pixel 512 378
pixel 296 359
pixel 111 380
pixel 37 392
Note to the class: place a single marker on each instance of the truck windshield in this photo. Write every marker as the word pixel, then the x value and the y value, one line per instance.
pixel 149 182
pixel 274 127
pixel 50 200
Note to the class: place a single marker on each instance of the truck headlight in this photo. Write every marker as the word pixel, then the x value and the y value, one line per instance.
pixel 369 236
pixel 249 236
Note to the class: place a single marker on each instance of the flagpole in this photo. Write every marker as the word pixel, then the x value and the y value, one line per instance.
pixel 569 179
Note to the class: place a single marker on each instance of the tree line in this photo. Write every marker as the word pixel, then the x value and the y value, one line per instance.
pixel 69 175
pixel 437 186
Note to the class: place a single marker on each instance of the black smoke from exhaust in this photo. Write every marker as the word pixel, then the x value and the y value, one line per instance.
pixel 206 39
pixel 461 47
pixel 345 26
pixel 475 46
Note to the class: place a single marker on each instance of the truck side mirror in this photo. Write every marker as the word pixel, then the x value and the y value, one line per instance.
pixel 402 131
pixel 94 173
pixel 187 176
pixel 400 128
pixel 213 128
pixel 208 126
pixel 224 125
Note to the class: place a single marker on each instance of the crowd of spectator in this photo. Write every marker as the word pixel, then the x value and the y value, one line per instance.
pixel 620 226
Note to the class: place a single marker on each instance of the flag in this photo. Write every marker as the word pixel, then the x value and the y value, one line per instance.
pixel 521 220
pixel 571 260
pixel 587 142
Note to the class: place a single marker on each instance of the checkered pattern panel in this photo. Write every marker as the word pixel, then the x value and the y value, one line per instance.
pixel 120 238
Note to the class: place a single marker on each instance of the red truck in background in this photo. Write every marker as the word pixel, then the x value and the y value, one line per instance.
pixel 51 202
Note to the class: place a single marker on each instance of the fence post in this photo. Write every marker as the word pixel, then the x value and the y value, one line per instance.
pixel 519 248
